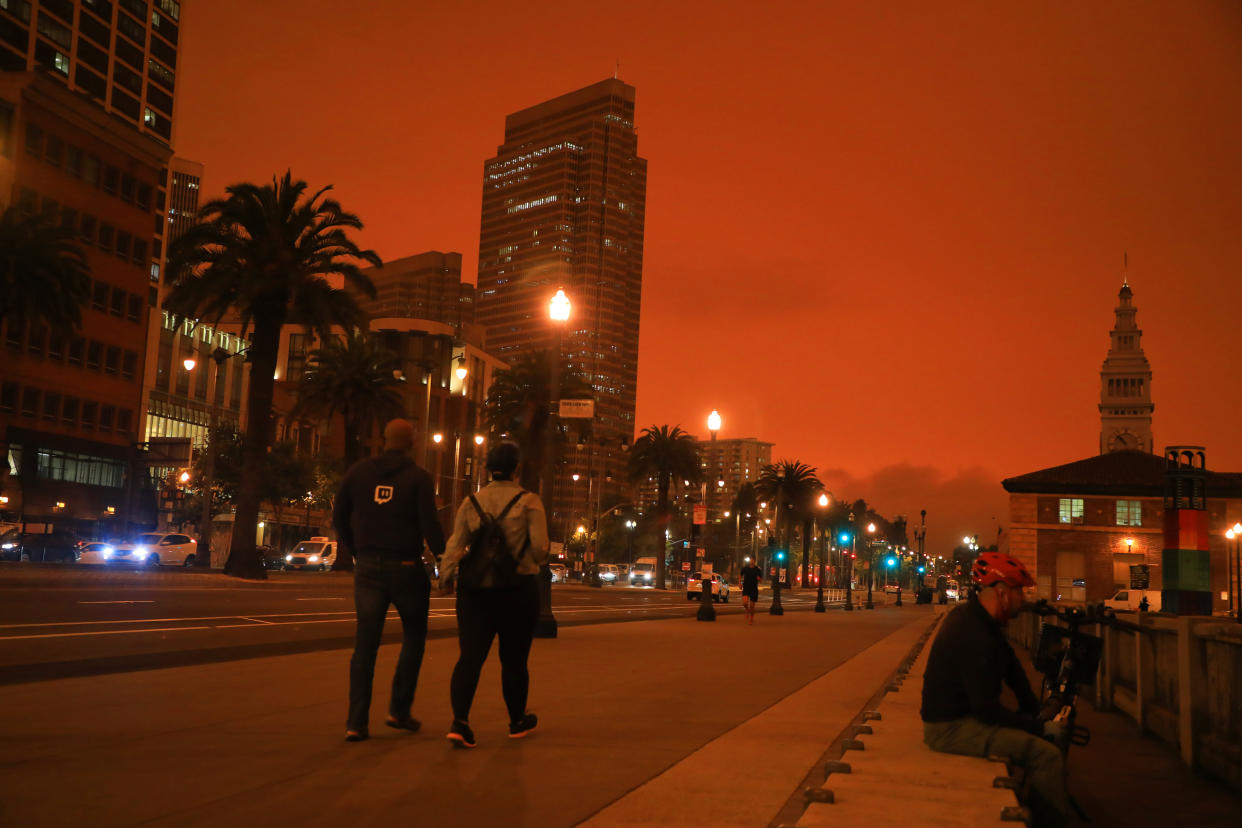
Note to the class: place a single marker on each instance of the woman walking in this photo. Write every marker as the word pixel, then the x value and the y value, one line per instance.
pixel 499 542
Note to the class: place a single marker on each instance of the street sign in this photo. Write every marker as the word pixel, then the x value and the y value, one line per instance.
pixel 577 409
pixel 700 513
pixel 1140 576
pixel 707 570
pixel 685 566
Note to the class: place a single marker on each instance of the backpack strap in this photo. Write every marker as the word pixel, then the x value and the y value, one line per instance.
pixel 477 507
pixel 509 506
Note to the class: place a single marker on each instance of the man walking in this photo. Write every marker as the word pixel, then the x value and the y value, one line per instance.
pixel 383 513
pixel 751 576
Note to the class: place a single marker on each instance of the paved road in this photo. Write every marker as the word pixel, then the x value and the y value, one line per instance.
pixel 671 712
pixel 60 621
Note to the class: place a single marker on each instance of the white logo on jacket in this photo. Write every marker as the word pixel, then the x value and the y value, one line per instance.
pixel 383 494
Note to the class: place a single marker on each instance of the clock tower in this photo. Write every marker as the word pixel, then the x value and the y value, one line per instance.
pixel 1125 385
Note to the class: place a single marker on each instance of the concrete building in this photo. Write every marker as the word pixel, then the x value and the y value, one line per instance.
pixel 563 207
pixel 735 461
pixel 424 286
pixel 70 408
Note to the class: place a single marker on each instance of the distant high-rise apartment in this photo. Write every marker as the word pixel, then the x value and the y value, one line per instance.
pixel 425 286
pixel 736 462
pixel 563 207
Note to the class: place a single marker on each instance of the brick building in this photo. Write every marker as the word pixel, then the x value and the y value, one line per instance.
pixel 1080 526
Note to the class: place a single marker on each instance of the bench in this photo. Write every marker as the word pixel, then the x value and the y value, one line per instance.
pixel 887 776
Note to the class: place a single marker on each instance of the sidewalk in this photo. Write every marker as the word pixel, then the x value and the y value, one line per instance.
pixel 649 722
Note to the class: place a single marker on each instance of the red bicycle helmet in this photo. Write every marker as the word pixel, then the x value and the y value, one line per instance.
pixel 993 567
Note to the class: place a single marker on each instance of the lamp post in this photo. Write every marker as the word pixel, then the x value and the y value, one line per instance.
pixel 870 564
pixel 558 311
pixel 824 500
pixel 1235 604
pixel 1229 536
pixel 706 611
pixel 920 533
pixel 202 555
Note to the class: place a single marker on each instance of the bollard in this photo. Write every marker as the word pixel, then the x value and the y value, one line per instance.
pixel 706 611
pixel 899 595
pixel 776 608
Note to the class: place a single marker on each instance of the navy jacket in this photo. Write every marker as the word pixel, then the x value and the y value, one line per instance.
pixel 969 660
pixel 387 505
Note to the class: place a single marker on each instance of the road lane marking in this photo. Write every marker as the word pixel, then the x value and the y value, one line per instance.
pixel 116 602
pixel 319 599
pixel 255 620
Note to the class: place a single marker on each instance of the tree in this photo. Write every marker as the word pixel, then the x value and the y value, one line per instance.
pixel 793 487
pixel 44 277
pixel 286 480
pixel 352 376
pixel 519 407
pixel 667 454
pixel 266 255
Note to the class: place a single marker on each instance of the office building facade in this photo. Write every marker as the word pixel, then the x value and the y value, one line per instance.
pixel 563 208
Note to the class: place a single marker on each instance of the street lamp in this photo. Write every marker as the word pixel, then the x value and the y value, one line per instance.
pixel 189 363
pixel 824 500
pixel 870 564
pixel 852 539
pixel 706 611
pixel 558 311
pixel 1236 537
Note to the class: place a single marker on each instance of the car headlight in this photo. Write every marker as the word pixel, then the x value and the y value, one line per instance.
pixel 107 551
pixel 140 550
pixel 314 559
pixel 647 576
pixel 8 546
pixel 288 558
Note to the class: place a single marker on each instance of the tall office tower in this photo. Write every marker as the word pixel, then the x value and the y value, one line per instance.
pixel 563 207
pixel 736 462
pixel 86 116
pixel 1125 384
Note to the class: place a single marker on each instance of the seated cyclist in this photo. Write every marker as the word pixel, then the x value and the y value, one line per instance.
pixel 969 660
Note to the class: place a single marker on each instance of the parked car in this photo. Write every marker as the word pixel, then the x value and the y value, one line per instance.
pixel 559 573
pixel 59 546
pixel 607 574
pixel 720 587
pixel 316 553
pixel 270 557
pixel 1129 599
pixel 155 548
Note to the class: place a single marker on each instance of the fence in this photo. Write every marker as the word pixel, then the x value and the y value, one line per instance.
pixel 1178 678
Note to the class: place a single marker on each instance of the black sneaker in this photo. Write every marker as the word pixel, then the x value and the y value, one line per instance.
pixel 359 735
pixel 408 723
pixel 523 726
pixel 461 735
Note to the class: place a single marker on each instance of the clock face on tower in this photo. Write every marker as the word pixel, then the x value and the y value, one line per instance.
pixel 1124 442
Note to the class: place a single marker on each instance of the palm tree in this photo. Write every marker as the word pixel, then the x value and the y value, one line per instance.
pixel 792 486
pixel 352 376
pixel 44 277
pixel 266 255
pixel 519 406
pixel 667 454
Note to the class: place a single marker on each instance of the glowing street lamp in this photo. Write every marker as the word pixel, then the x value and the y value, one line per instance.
pixel 870 565
pixel 478 439
pixel 824 500
pixel 437 438
pixel 559 307
pixel 189 363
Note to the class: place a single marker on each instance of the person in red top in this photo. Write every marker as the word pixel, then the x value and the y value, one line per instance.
pixel 969 661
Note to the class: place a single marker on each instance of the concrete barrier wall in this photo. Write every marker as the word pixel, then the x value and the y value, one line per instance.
pixel 1177 678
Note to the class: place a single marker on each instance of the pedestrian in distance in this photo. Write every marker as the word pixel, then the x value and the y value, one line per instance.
pixel 968 662
pixel 751 576
pixel 384 512
pixel 499 543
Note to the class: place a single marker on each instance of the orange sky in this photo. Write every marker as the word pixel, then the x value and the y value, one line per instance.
pixel 886 238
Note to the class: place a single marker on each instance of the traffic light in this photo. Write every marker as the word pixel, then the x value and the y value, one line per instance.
pixel 892 562
pixel 780 556
pixel 845 538
pixel 922 569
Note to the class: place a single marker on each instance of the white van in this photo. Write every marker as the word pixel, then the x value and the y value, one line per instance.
pixel 1128 599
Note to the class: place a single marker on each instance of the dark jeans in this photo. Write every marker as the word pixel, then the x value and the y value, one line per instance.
pixel 483 614
pixel 379 582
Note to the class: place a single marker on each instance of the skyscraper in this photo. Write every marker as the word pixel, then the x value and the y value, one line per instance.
pixel 563 207
pixel 1125 384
